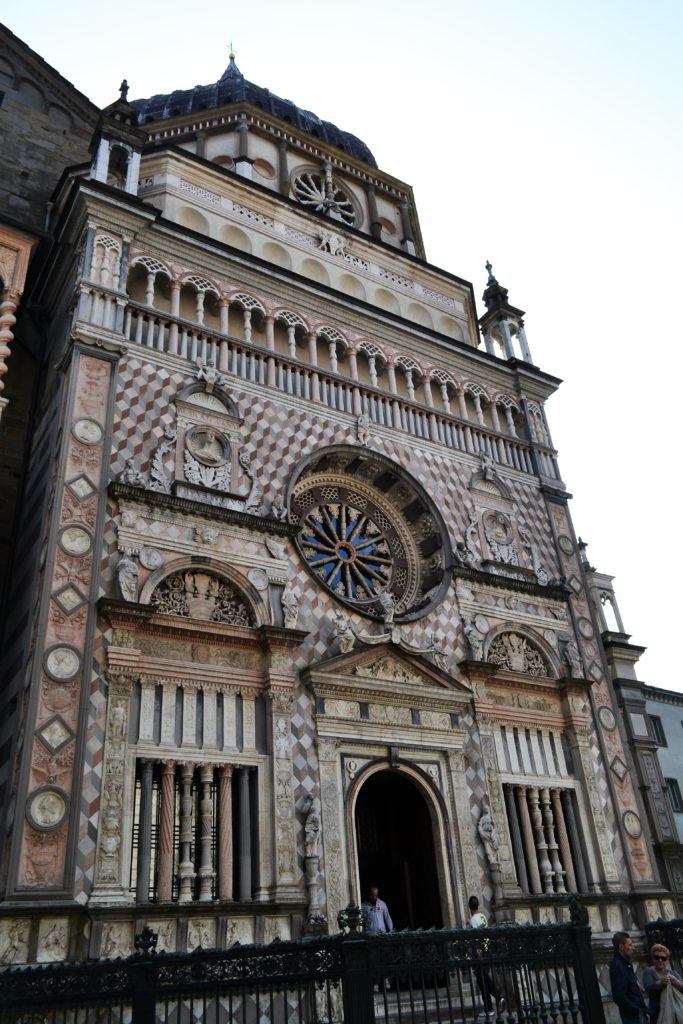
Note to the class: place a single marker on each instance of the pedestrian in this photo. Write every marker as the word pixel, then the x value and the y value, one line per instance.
pixel 485 982
pixel 658 978
pixel 376 913
pixel 626 991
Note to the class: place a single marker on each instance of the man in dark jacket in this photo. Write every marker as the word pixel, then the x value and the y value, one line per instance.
pixel 626 991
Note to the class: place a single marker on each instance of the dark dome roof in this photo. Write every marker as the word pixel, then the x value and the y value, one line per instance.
pixel 233 87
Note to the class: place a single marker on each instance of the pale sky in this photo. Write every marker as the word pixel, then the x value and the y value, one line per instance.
pixel 543 136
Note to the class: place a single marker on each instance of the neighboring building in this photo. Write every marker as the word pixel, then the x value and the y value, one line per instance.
pixel 297 605
pixel 664 710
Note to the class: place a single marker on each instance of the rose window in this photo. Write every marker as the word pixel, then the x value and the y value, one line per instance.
pixel 323 196
pixel 348 551
pixel 367 530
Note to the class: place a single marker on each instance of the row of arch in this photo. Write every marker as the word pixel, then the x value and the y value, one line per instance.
pixel 205 302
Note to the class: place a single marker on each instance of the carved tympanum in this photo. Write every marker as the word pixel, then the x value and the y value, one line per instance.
pixel 200 595
pixel 514 653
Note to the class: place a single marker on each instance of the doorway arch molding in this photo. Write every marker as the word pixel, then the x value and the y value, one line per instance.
pixel 441 830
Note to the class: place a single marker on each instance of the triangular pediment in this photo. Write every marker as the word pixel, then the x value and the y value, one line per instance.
pixel 384 667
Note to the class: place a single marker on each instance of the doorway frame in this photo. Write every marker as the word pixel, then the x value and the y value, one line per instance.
pixel 443 852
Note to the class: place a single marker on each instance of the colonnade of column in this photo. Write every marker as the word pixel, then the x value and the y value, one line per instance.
pixel 546 840
pixel 194 830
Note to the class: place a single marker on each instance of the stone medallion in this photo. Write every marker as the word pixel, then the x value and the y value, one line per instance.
pixel 606 716
pixel 46 808
pixel 632 824
pixel 87 431
pixel 75 540
pixel 585 628
pixel 566 545
pixel 258 578
pixel 150 558
pixel 62 662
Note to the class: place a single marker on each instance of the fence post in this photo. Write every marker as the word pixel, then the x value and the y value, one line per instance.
pixel 143 977
pixel 356 982
pixel 584 966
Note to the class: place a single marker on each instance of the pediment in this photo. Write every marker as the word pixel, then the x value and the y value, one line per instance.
pixel 387 668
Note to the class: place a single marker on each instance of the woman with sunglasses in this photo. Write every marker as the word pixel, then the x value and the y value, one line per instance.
pixel 657 977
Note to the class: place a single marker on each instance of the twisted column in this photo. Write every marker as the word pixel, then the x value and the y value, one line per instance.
pixel 225 852
pixel 166 823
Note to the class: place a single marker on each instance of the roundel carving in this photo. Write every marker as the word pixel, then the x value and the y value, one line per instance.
pixel 367 530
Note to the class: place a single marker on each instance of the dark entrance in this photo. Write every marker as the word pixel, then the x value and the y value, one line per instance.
pixel 395 844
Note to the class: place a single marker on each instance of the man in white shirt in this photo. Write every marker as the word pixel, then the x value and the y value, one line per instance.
pixel 376 913
pixel 485 982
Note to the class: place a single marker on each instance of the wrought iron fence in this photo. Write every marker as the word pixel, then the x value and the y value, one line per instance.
pixel 536 974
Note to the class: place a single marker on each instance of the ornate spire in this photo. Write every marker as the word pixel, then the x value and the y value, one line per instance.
pixel 232 71
pixel 495 296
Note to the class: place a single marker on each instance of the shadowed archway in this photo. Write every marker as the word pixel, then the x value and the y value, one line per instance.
pixel 395 845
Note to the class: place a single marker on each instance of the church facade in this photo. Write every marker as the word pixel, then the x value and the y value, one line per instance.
pixel 307 612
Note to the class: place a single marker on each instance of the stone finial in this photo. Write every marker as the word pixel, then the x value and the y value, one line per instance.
pixel 489 268
pixel 123 90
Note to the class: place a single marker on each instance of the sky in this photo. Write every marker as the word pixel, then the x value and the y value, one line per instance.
pixel 542 136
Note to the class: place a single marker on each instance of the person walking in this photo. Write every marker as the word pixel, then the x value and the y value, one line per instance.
pixel 485 982
pixel 626 991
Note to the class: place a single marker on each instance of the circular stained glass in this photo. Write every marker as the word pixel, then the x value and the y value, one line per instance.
pixel 348 550
pixel 324 197
pixel 367 531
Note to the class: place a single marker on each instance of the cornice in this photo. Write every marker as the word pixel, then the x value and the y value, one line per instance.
pixel 156 499
pixel 558 592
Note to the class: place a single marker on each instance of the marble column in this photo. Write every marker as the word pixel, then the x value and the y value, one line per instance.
pixel 205 829
pixel 166 829
pixel 186 870
pixel 575 841
pixel 563 839
pixel 244 835
pixel 541 845
pixel 225 851
pixel 549 829
pixel 144 832
pixel 516 837
pixel 529 845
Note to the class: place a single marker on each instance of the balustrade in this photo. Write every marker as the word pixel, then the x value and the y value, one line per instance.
pixel 242 359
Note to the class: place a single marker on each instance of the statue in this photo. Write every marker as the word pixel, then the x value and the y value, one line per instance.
pixel 132 475
pixel 312 827
pixel 127 573
pixel 488 835
pixel 279 508
pixel 343 632
pixel 210 375
pixel 474 641
pixel 290 608
pixel 388 604
pixel 573 659
pixel 363 429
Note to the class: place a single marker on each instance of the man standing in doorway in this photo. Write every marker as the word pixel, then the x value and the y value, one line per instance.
pixel 376 913
pixel 626 991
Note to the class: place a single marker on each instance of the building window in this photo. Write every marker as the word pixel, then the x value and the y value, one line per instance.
pixel 674 791
pixel 658 730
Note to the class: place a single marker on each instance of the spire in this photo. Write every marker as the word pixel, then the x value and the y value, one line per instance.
pixel 232 71
pixel 495 297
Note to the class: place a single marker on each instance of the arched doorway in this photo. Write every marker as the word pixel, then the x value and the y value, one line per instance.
pixel 395 846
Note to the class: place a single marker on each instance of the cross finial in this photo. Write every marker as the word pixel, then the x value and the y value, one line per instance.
pixel 232 51
pixel 123 89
